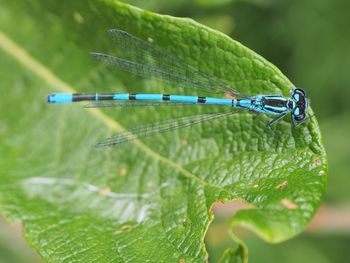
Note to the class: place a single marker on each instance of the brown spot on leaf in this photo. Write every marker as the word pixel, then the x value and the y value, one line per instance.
pixel 289 204
pixel 78 17
pixel 282 185
pixel 123 171
pixel 105 191
pixel 318 161
pixel 126 228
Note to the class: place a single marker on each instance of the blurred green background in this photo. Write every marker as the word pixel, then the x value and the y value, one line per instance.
pixel 310 42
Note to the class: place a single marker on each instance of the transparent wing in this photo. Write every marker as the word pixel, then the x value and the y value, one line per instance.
pixel 144 70
pixel 111 104
pixel 151 62
pixel 159 127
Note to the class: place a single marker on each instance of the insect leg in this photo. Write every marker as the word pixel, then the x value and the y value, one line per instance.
pixel 279 117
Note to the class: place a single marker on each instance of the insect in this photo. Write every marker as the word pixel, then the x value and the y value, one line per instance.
pixel 148 61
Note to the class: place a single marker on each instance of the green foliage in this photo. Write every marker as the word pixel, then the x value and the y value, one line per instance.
pixel 147 200
pixel 338 146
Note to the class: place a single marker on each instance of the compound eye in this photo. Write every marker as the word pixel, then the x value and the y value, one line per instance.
pixel 298 94
pixel 300 91
pixel 299 117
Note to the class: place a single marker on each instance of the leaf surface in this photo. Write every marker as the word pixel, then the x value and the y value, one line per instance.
pixel 149 200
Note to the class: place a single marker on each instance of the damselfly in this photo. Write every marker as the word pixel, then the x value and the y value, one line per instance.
pixel 151 62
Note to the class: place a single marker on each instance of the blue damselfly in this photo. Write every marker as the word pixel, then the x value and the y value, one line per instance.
pixel 150 62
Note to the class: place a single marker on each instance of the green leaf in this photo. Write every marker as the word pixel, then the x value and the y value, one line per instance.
pixel 149 200
pixel 233 255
